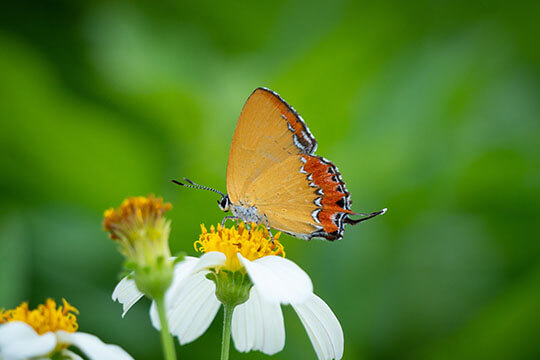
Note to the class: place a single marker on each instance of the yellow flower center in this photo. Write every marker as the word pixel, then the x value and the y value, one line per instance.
pixel 251 244
pixel 45 318
pixel 140 227
pixel 134 213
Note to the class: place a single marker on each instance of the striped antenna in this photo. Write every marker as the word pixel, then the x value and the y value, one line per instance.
pixel 191 184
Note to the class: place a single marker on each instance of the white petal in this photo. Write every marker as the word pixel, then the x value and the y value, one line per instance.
pixel 18 340
pixel 126 291
pixel 182 270
pixel 154 316
pixel 92 346
pixel 258 325
pixel 190 308
pixel 127 294
pixel 322 327
pixel 278 279
pixel 13 331
pixel 209 260
pixel 190 265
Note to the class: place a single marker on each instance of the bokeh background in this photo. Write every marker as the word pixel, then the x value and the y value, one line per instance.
pixel 430 109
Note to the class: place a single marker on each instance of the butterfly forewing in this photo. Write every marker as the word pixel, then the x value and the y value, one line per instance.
pixel 262 139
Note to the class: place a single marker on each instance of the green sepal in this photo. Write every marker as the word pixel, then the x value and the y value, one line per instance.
pixel 153 281
pixel 131 265
pixel 179 257
pixel 125 273
pixel 232 288
pixel 59 356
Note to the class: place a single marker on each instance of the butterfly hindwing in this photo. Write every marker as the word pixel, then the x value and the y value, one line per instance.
pixel 283 194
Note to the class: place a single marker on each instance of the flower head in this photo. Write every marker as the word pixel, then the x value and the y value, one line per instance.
pixel 139 225
pixel 251 244
pixel 45 317
pixel 233 256
pixel 143 233
pixel 232 284
pixel 48 331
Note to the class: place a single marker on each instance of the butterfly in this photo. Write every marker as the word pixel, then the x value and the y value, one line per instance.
pixel 274 177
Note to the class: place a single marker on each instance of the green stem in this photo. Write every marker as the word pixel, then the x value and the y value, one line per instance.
pixel 226 339
pixel 166 338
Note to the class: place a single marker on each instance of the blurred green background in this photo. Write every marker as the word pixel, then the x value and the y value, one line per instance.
pixel 429 109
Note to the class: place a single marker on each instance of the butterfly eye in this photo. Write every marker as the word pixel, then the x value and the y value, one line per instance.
pixel 224 203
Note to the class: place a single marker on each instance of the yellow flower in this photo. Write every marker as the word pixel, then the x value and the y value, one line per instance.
pixel 47 331
pixel 251 244
pixel 45 318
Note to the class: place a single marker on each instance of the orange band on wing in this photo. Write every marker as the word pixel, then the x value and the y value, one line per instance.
pixel 334 198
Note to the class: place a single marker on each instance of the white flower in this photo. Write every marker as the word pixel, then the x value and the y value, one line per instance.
pixel 257 324
pixel 47 330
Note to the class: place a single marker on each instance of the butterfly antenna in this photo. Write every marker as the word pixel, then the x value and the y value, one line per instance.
pixel 191 184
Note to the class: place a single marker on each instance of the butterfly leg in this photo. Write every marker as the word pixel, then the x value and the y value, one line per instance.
pixel 231 218
pixel 268 228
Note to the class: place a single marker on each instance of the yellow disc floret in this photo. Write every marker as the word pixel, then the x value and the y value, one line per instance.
pixel 45 318
pixel 251 244
pixel 140 227
pixel 134 213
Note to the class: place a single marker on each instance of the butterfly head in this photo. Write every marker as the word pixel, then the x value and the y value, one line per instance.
pixel 224 203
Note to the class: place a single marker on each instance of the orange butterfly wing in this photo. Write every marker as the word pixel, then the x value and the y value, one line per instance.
pixel 272 167
pixel 261 140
